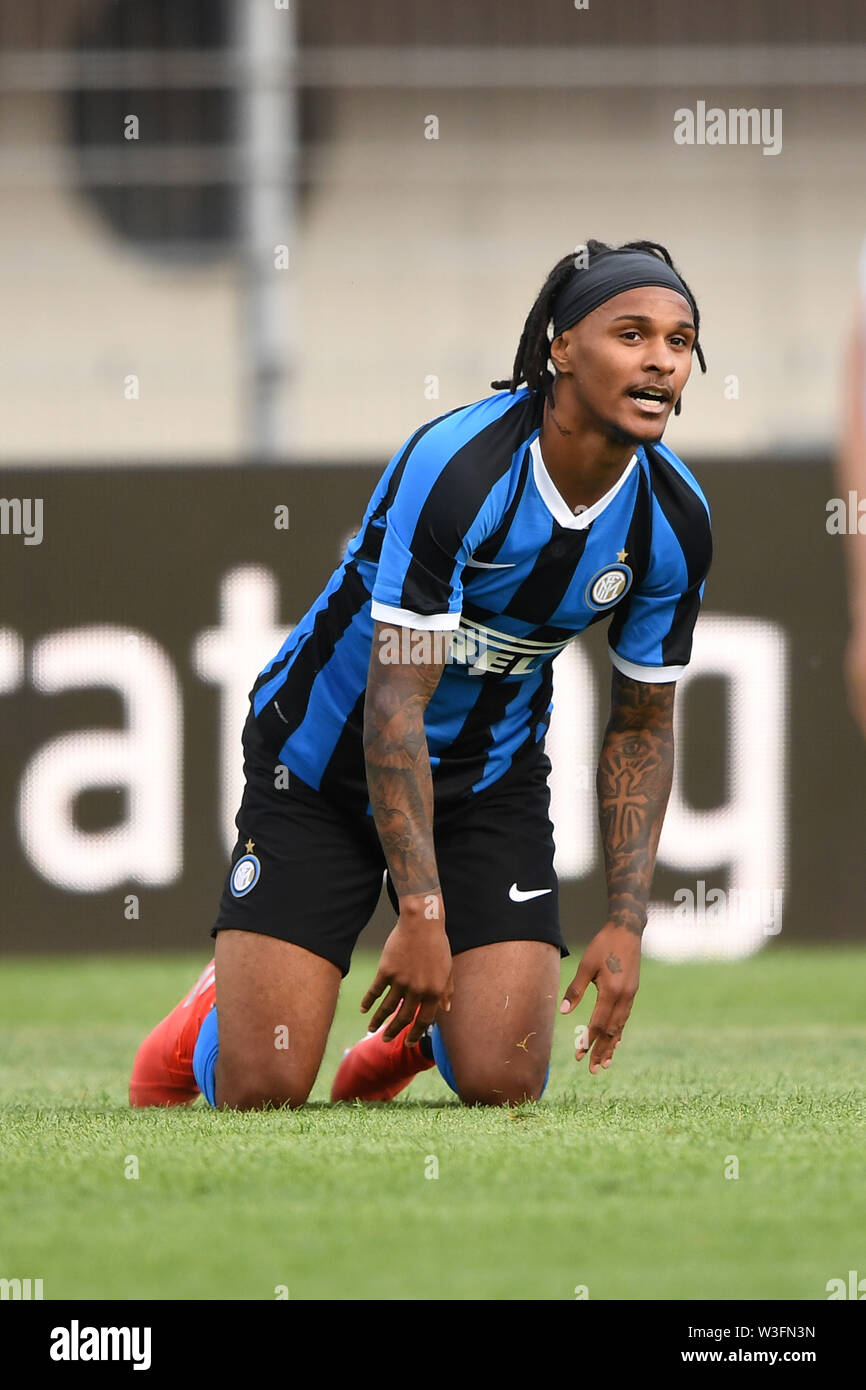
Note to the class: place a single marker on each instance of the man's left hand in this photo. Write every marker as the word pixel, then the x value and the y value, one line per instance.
pixel 611 962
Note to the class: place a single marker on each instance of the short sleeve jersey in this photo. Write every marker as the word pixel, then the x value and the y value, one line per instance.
pixel 467 541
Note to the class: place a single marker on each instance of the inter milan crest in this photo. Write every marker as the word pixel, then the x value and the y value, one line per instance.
pixel 245 875
pixel 608 586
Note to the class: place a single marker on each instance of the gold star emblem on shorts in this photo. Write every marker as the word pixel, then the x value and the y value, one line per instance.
pixel 251 844
pixel 621 556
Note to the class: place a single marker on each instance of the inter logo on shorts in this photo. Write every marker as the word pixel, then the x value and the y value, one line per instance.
pixel 608 586
pixel 245 875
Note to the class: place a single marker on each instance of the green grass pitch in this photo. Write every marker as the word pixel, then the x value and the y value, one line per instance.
pixel 616 1182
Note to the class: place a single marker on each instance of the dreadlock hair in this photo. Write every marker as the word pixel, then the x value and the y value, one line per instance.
pixel 533 350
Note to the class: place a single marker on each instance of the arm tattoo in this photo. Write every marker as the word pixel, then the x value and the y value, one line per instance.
pixel 635 771
pixel 399 780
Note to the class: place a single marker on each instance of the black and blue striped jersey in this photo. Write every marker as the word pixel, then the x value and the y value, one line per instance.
pixel 466 539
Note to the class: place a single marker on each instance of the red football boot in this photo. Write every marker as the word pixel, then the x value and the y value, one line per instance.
pixel 377 1070
pixel 162 1070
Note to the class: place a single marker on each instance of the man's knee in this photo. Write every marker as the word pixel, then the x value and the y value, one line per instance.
pixel 509 1084
pixel 252 1085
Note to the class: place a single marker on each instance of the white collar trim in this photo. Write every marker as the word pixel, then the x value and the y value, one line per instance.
pixel 556 503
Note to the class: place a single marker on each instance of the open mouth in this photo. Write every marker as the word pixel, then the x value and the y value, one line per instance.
pixel 652 400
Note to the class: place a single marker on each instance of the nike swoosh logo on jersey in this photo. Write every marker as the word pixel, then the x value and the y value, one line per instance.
pixel 490 565
pixel 518 896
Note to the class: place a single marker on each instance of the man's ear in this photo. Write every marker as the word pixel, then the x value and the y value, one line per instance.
pixel 558 353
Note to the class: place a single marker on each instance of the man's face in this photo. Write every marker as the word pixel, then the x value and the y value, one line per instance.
pixel 628 361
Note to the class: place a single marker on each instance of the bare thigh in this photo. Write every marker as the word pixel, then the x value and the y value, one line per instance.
pixel 499 1031
pixel 275 1005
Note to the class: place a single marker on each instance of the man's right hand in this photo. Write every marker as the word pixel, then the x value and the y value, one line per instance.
pixel 415 967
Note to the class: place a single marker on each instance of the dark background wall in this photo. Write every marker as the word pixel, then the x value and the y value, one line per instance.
pixel 148 550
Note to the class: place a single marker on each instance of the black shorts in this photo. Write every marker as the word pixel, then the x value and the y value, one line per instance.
pixel 307 871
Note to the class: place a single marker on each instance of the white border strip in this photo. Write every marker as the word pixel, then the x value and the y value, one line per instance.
pixel 404 617
pixel 492 637
pixel 556 503
pixel 650 675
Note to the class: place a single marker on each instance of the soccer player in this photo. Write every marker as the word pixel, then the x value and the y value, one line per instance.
pixel 401 727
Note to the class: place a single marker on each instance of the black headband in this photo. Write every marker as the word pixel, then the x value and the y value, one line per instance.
pixel 612 274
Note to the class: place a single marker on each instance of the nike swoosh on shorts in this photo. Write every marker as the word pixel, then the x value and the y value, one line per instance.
pixel 518 896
